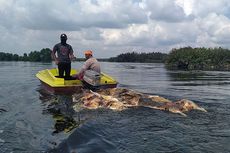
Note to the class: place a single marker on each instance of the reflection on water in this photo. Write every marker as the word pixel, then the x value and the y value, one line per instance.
pixel 28 123
pixel 61 109
pixel 199 78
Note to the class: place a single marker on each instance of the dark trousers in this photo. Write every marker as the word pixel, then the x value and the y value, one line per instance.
pixel 64 68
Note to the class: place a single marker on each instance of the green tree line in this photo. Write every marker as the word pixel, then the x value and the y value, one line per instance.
pixel 34 56
pixel 182 58
pixel 154 57
pixel 199 58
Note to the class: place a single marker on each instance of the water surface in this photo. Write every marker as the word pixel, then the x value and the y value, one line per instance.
pixel 27 126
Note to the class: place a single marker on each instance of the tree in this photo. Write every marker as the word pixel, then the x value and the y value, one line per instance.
pixel 199 58
pixel 45 55
pixel 139 57
pixel 34 56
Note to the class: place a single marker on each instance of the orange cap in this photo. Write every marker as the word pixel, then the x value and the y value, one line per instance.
pixel 88 52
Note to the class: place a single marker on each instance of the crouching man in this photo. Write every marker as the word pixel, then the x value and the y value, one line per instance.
pixel 91 63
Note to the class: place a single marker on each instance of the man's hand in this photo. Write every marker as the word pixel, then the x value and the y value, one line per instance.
pixel 73 58
pixel 56 62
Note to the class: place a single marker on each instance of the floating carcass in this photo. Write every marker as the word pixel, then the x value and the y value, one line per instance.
pixel 121 98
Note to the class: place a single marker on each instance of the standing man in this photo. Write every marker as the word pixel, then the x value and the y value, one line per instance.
pixel 64 56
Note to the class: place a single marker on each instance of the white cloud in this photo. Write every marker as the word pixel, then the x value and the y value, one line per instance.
pixel 216 27
pixel 187 5
pixel 203 8
pixel 112 27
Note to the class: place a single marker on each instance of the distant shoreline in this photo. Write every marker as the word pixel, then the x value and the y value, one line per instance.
pixel 187 58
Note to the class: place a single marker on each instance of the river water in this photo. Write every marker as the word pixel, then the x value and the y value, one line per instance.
pixel 26 127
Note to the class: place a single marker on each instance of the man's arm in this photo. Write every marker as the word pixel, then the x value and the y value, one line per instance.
pixel 85 67
pixel 71 55
pixel 53 55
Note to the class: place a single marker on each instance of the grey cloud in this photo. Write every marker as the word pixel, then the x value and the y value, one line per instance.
pixel 91 34
pixel 45 15
pixel 86 23
pixel 204 8
pixel 166 10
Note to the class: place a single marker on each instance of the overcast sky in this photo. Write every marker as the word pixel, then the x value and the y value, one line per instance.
pixel 112 27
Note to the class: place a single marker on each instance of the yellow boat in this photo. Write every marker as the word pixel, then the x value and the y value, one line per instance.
pixel 60 85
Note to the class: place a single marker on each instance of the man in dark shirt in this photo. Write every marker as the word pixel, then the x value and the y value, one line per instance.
pixel 64 56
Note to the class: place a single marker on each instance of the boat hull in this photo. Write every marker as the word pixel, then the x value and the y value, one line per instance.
pixel 70 89
pixel 56 85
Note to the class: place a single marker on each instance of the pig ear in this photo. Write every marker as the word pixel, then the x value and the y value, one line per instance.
pixel 201 109
pixel 183 114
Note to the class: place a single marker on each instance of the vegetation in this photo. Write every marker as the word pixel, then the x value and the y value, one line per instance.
pixel 183 58
pixel 139 57
pixel 199 59
pixel 34 56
